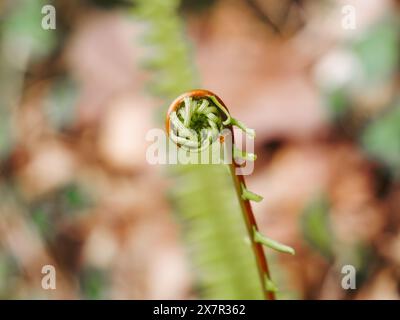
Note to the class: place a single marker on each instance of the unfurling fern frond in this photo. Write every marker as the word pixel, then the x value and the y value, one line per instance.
pixel 212 202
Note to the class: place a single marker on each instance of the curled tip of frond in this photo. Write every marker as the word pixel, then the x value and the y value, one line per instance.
pixel 195 124
pixel 198 120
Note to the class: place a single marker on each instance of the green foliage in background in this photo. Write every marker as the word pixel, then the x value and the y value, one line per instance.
pixel 66 203
pixel 22 41
pixel 60 103
pixel 375 58
pixel 23 29
pixel 368 102
pixel 378 51
pixel 316 226
pixel 93 284
pixel 381 138
pixel 317 231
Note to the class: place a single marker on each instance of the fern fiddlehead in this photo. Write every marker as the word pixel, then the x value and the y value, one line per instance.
pixel 200 119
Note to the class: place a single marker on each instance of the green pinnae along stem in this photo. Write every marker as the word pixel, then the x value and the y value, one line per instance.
pixel 196 123
pixel 250 132
pixel 232 121
pixel 270 285
pixel 248 195
pixel 273 244
pixel 237 153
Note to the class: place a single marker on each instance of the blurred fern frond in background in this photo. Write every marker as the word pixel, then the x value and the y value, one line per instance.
pixel 167 49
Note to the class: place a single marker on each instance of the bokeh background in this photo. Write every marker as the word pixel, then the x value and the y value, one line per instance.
pixel 76 102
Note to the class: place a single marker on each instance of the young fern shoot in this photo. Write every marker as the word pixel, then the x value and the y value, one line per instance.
pixel 195 121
